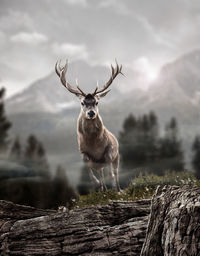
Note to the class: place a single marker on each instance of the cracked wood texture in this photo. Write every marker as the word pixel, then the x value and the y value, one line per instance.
pixel 118 228
pixel 174 224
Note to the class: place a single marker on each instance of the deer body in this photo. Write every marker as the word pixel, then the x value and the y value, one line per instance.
pixel 98 146
pixel 96 141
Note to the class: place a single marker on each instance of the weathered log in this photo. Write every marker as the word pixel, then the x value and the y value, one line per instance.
pixel 118 228
pixel 174 224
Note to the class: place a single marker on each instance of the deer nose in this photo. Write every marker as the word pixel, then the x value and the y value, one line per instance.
pixel 91 113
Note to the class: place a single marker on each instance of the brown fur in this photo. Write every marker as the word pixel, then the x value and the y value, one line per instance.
pixel 98 145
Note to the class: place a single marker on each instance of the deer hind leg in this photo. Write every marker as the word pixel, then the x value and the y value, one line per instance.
pixel 112 176
pixel 115 165
pixel 94 178
pixel 102 180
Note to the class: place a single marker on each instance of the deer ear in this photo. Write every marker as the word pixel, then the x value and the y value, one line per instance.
pixel 103 94
pixel 79 96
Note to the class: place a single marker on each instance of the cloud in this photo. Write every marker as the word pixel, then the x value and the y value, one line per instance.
pixel 13 21
pixel 75 51
pixel 29 38
pixel 2 39
pixel 160 38
pixel 115 5
pixel 77 2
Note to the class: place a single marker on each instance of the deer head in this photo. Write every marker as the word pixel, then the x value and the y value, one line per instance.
pixel 89 101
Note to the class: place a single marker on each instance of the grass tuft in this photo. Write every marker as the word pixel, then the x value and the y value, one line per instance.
pixel 141 187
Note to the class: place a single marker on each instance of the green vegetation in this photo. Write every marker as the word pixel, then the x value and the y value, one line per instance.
pixel 141 187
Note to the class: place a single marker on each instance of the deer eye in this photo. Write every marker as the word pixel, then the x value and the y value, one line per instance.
pixel 96 103
pixel 82 103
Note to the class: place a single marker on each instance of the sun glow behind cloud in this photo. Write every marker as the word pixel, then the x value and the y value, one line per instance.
pixel 145 68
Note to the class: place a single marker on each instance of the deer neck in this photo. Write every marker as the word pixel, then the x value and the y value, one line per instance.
pixel 91 127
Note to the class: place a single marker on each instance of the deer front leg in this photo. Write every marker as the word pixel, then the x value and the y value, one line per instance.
pixel 94 178
pixel 108 154
pixel 115 165
pixel 102 180
pixel 117 180
pixel 112 176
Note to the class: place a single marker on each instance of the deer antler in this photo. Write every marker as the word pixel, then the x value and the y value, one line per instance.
pixel 61 72
pixel 114 73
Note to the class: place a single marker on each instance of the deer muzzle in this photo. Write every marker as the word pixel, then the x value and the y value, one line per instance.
pixel 91 114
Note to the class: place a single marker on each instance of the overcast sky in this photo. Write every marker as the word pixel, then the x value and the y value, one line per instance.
pixel 141 34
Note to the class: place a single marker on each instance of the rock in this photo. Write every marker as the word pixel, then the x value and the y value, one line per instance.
pixel 174 224
pixel 118 228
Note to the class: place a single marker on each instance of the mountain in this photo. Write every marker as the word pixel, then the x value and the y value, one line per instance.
pixel 177 90
pixel 185 71
pixel 48 110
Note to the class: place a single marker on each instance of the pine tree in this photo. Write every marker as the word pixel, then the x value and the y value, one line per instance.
pixel 35 156
pixel 129 123
pixel 139 140
pixel 15 152
pixel 30 150
pixel 126 140
pixel 171 151
pixel 42 163
pixel 196 156
pixel 62 191
pixel 5 125
pixel 154 127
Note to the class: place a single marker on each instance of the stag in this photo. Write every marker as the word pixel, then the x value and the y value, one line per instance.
pixel 97 145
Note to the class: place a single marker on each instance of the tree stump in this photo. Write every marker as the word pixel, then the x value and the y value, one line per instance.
pixel 118 228
pixel 174 224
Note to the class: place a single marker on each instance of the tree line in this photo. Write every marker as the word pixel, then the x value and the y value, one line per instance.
pixel 145 148
pixel 25 174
